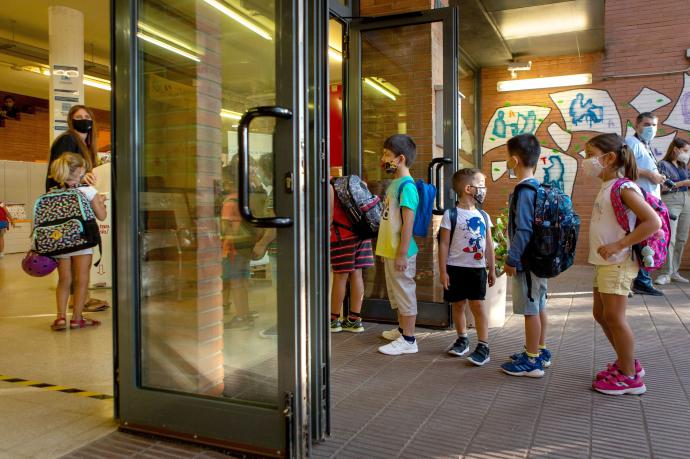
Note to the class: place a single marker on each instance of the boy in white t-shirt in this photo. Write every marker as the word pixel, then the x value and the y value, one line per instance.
pixel 465 251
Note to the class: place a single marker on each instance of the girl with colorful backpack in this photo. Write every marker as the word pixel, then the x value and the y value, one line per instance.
pixel 624 229
pixel 73 267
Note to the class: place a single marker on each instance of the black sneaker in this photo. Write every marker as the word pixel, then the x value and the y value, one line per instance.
pixel 645 290
pixel 240 323
pixel 480 356
pixel 460 347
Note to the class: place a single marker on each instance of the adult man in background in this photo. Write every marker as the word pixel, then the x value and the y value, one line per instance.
pixel 649 180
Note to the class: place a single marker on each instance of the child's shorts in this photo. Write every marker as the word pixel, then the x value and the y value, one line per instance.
pixel 401 286
pixel 351 254
pixel 615 279
pixel 521 299
pixel 236 266
pixel 465 284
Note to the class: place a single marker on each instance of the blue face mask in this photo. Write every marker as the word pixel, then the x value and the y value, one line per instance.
pixel 648 133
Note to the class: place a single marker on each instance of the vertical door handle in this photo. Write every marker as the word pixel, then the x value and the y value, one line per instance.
pixel 434 172
pixel 243 166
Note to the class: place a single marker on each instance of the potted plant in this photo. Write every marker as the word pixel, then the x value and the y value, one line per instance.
pixel 495 299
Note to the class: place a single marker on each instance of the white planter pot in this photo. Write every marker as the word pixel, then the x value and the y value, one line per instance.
pixel 495 303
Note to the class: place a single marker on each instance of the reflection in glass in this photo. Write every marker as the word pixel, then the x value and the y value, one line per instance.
pixel 208 291
pixel 401 67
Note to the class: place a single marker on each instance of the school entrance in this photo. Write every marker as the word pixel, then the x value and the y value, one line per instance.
pixel 229 119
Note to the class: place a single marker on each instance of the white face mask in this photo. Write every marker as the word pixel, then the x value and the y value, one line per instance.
pixel 592 167
pixel 684 156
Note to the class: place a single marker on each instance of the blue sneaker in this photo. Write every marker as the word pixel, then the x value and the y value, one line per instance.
pixel 524 366
pixel 544 356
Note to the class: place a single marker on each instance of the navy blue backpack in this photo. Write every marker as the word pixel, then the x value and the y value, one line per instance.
pixel 427 195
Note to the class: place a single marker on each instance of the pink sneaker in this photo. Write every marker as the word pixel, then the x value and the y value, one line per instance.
pixel 613 368
pixel 619 384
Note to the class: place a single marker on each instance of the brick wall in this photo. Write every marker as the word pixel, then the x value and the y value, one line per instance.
pixel 28 139
pixel 653 45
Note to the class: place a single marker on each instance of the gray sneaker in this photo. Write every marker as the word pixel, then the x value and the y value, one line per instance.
pixel 336 326
pixel 480 356
pixel 460 347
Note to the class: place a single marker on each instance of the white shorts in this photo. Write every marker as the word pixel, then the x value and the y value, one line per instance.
pixel 74 254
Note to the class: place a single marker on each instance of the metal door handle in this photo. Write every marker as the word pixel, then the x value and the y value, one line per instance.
pixel 243 166
pixel 434 171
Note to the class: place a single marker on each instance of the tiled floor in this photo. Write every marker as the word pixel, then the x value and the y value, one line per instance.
pixel 436 406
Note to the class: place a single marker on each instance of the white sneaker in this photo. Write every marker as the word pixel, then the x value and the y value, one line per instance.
pixel 391 335
pixel 678 278
pixel 399 346
pixel 664 279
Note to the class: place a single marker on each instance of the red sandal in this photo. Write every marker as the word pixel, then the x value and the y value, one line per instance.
pixel 59 324
pixel 83 322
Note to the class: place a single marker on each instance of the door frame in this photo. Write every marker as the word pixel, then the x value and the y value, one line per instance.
pixel 159 411
pixel 430 314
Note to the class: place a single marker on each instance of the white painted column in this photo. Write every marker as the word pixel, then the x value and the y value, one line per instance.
pixel 66 58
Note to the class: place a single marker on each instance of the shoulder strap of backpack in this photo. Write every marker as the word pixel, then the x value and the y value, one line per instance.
pixel 618 206
pixel 401 186
pixel 453 215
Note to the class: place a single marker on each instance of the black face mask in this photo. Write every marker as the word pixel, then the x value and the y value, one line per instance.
pixel 83 126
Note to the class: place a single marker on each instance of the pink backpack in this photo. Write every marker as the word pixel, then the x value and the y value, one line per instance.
pixel 651 253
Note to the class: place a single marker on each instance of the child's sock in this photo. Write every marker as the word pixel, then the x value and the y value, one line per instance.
pixel 409 339
pixel 542 346
pixel 354 316
pixel 483 342
pixel 334 316
pixel 532 356
pixel 462 335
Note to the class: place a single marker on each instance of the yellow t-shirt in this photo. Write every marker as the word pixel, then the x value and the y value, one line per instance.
pixel 391 218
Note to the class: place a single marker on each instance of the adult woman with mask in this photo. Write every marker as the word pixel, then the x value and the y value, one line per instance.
pixel 81 138
pixel 675 167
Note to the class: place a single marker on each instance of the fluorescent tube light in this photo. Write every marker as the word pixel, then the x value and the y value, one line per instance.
pixel 380 88
pixel 171 48
pixel 230 114
pixel 548 82
pixel 335 54
pixel 169 38
pixel 95 82
pixel 239 17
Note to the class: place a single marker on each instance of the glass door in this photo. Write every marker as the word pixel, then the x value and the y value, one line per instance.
pixel 212 209
pixel 403 78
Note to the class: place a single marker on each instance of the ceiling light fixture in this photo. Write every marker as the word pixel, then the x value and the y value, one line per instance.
pixel 166 46
pixel 96 82
pixel 379 87
pixel 230 114
pixel 169 38
pixel 335 54
pixel 239 17
pixel 548 82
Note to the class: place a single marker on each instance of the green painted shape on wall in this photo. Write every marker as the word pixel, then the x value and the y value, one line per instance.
pixel 507 104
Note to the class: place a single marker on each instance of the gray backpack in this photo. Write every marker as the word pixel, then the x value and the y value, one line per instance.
pixel 363 209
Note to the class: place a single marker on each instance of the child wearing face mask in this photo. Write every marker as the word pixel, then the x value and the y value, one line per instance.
pixel 395 244
pixel 465 252
pixel 610 159
pixel 675 167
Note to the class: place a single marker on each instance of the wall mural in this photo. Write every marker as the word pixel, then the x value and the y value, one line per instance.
pixel 680 115
pixel 511 121
pixel 582 110
pixel 588 110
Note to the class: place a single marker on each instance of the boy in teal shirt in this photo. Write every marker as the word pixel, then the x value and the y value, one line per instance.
pixel 395 244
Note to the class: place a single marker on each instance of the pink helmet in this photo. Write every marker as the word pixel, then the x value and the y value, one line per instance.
pixel 38 265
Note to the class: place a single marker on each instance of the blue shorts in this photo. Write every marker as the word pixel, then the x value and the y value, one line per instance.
pixel 4 224
pixel 521 301
pixel 237 266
